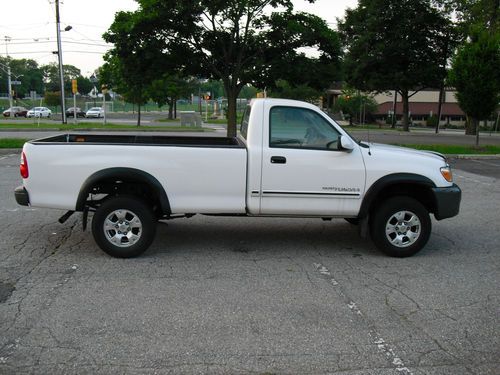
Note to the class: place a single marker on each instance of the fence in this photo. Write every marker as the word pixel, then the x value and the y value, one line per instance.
pixel 124 107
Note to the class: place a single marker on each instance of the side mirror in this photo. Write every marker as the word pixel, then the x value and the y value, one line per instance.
pixel 345 144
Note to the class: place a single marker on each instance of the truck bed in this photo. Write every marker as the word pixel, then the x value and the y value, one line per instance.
pixel 142 140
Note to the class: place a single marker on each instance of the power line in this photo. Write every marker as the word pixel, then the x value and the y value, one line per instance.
pixel 64 41
pixel 31 52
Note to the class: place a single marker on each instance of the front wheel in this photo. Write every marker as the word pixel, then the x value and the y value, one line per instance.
pixel 400 226
pixel 124 227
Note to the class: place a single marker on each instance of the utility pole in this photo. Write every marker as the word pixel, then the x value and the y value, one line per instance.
pixel 59 54
pixel 9 80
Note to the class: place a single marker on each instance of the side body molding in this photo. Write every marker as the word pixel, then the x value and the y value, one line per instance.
pixel 126 175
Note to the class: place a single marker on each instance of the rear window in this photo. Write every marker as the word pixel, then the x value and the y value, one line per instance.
pixel 245 121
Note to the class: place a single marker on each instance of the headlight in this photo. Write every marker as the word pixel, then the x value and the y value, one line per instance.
pixel 446 173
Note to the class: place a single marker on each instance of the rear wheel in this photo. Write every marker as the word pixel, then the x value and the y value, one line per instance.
pixel 124 227
pixel 400 226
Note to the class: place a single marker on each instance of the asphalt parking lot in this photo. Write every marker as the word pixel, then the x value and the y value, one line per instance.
pixel 246 295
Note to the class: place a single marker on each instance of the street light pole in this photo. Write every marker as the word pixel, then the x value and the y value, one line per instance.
pixel 9 80
pixel 9 83
pixel 59 55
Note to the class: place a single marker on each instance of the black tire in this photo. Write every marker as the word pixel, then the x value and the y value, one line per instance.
pixel 352 220
pixel 385 227
pixel 126 244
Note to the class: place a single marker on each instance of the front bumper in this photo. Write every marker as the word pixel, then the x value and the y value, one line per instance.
pixel 22 196
pixel 447 201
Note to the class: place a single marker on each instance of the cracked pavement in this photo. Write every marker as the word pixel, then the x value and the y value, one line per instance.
pixel 249 295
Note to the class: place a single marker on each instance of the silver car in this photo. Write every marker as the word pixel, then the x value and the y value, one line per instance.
pixel 39 112
pixel 96 112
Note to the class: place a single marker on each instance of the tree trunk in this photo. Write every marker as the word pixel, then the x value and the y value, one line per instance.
pixel 476 126
pixel 477 133
pixel 406 110
pixel 170 110
pixel 231 115
pixel 175 108
pixel 470 126
pixel 138 115
pixel 232 91
pixel 440 106
pixel 394 106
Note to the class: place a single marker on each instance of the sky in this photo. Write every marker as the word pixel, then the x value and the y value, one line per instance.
pixel 32 29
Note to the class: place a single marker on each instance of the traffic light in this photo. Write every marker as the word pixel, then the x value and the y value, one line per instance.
pixel 74 86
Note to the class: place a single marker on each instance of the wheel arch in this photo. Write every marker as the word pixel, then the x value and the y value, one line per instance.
pixel 124 175
pixel 407 184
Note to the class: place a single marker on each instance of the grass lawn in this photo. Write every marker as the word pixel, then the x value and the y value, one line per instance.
pixel 95 126
pixel 12 142
pixel 456 149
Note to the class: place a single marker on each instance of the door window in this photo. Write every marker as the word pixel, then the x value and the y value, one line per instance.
pixel 292 127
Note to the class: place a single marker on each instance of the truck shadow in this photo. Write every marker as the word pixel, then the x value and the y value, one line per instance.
pixel 265 236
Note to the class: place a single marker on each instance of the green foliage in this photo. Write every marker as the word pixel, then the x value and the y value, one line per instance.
pixel 51 76
pixel 248 92
pixel 238 42
pixel 431 121
pixel 455 149
pixel 52 98
pixel 476 75
pixel 168 89
pixel 394 44
pixel 471 14
pixel 352 103
pixel 25 70
pixel 303 92
pixel 12 142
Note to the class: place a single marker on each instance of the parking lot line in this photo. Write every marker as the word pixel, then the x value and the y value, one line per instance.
pixel 377 339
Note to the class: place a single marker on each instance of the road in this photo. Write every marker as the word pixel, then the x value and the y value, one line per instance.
pixel 249 295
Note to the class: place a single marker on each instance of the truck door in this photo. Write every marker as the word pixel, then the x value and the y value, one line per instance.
pixel 303 171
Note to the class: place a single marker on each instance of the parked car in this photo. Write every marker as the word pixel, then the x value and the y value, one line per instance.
pixel 289 160
pixel 70 112
pixel 39 112
pixel 17 111
pixel 95 112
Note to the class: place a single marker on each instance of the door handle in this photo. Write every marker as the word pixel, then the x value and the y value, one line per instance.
pixel 278 160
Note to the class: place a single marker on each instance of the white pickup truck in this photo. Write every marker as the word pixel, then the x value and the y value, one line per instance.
pixel 289 160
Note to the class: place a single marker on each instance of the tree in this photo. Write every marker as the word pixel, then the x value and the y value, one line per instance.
pixel 236 41
pixel 85 85
pixel 168 89
pixel 52 98
pixel 25 70
pixel 475 74
pixel 472 18
pixel 124 78
pixel 285 90
pixel 395 45
pixel 355 105
pixel 51 76
pixel 470 14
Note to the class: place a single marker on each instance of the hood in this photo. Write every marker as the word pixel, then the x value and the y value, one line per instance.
pixel 374 147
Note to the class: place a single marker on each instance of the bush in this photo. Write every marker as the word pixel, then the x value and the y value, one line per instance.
pixel 432 121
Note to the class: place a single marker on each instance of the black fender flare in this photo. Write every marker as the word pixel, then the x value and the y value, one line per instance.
pixel 390 180
pixel 123 173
